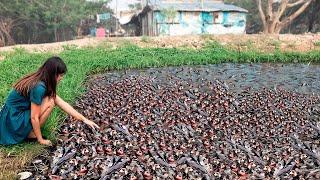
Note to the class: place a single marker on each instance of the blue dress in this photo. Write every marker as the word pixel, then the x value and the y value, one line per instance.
pixel 15 115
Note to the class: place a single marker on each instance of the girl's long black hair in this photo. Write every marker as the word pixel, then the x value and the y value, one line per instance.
pixel 48 73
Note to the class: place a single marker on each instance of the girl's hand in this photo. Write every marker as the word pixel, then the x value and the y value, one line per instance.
pixel 91 124
pixel 45 142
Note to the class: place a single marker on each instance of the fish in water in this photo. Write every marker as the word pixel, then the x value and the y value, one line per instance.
pixel 193 127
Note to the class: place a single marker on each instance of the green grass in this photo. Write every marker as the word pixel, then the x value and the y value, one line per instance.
pixel 317 43
pixel 86 61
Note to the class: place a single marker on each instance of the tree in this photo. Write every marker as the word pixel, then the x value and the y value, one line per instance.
pixel 253 24
pixel 308 21
pixel 53 20
pixel 275 18
pixel 135 6
pixel 63 15
pixel 313 16
pixel 10 18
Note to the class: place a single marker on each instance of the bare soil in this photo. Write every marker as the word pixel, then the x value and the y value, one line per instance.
pixel 259 42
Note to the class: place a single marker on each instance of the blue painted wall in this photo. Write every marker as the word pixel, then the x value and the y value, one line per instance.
pixel 201 23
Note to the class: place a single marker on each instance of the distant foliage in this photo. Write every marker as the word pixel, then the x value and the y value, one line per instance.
pixel 307 21
pixel 254 24
pixel 39 21
pixel 135 6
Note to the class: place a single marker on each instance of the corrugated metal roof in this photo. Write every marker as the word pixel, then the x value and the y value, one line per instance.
pixel 126 19
pixel 196 6
pixel 187 6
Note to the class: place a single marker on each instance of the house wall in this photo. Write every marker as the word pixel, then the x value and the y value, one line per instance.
pixel 147 23
pixel 200 23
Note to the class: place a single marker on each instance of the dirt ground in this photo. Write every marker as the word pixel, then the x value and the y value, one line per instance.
pixel 260 42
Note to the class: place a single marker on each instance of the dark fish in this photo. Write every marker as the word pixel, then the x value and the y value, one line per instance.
pixel 114 167
pixel 123 130
pixel 315 127
pixel 182 160
pixel 63 159
pixel 190 95
pixel 284 170
pixel 159 160
pixel 196 165
pixel 203 113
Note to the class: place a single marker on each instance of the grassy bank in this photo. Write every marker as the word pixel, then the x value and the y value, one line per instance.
pixel 83 62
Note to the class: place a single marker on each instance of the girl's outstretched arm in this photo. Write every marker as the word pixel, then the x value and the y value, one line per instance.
pixel 72 112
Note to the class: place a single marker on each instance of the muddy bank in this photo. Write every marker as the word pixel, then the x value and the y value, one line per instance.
pixel 259 42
